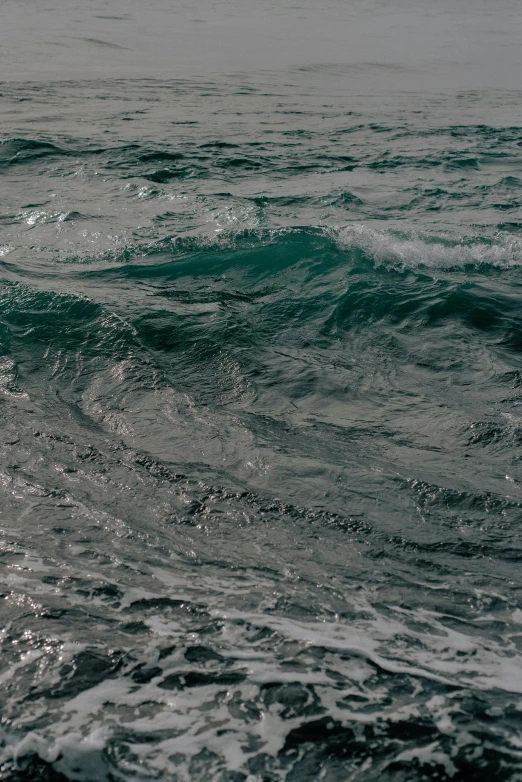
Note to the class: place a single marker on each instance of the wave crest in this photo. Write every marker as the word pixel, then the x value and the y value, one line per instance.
pixel 411 250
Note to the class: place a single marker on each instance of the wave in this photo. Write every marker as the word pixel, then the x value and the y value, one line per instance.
pixel 19 150
pixel 395 249
pixel 410 249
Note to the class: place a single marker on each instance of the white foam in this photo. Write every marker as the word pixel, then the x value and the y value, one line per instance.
pixel 415 642
pixel 8 385
pixel 430 755
pixel 480 664
pixel 413 249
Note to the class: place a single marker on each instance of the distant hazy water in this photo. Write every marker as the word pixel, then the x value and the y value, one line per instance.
pixel 260 392
pixel 441 44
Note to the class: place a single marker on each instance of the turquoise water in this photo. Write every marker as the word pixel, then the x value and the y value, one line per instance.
pixel 260 398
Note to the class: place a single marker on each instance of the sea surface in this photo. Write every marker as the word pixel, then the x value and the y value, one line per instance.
pixel 260 391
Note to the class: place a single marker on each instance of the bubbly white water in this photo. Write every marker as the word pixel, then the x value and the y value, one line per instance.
pixel 408 249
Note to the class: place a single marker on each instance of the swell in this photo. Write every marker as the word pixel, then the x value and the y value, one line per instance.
pixel 466 150
pixel 251 287
pixel 392 249
pixel 290 333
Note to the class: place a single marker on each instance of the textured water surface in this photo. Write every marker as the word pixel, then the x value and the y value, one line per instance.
pixel 261 424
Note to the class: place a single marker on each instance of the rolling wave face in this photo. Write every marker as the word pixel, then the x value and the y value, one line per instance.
pixel 259 395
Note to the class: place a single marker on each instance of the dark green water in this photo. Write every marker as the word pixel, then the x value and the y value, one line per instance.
pixel 260 405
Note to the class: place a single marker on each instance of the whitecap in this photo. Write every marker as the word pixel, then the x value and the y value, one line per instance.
pixel 413 249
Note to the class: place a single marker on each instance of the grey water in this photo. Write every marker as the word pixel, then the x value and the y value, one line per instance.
pixel 260 391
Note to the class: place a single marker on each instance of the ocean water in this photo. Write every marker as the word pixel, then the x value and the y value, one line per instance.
pixel 260 391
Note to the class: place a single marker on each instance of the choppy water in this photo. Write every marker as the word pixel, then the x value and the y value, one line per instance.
pixel 260 400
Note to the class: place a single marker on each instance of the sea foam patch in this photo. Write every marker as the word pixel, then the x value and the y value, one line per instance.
pixel 413 249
